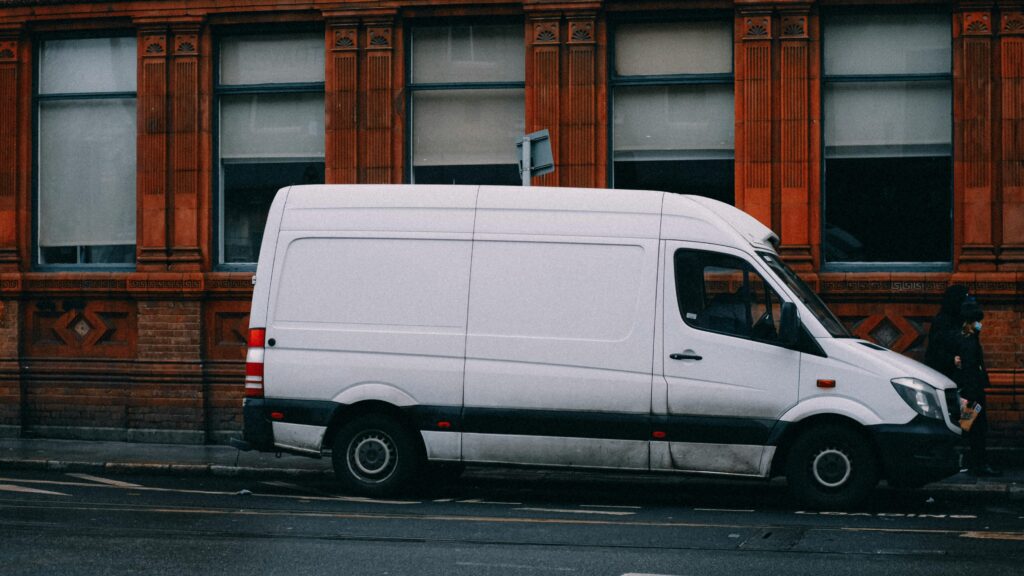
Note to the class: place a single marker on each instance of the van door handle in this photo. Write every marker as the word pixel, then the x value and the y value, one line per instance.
pixel 685 357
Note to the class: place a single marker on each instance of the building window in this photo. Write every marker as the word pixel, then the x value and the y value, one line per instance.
pixel 672 108
pixel 888 138
pixel 467 86
pixel 270 97
pixel 85 104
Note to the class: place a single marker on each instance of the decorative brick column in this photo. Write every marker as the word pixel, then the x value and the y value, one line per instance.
pixel 342 102
pixel 378 114
pixel 973 177
pixel 754 112
pixel 12 74
pixel 13 183
pixel 798 156
pixel 543 84
pixel 186 176
pixel 363 84
pixel 566 94
pixel 1011 99
pixel 151 178
pixel 583 148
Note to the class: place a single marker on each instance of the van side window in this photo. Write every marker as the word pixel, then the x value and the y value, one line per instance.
pixel 721 293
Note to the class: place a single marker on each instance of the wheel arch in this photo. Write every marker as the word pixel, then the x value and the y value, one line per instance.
pixel 346 413
pixel 794 430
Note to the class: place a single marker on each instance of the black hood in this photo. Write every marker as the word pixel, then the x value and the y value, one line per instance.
pixel 953 299
pixel 971 312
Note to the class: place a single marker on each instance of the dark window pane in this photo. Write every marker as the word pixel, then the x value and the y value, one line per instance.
pixel 490 174
pixel 249 189
pixel 888 209
pixel 59 254
pixel 711 178
pixel 104 254
pixel 112 254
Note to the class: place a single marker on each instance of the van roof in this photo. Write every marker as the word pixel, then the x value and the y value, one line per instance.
pixel 549 211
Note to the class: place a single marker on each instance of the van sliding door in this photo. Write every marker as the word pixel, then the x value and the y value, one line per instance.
pixel 559 349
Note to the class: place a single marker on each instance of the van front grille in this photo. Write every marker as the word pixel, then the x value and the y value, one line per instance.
pixel 953 405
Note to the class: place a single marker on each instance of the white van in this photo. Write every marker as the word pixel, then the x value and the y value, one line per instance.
pixel 399 326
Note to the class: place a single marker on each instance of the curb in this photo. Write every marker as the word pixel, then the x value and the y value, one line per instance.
pixel 161 469
pixel 1012 490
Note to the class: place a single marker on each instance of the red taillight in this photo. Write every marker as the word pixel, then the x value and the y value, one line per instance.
pixel 254 363
pixel 257 336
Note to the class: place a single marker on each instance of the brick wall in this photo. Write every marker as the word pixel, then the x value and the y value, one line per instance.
pixel 165 401
pixel 169 331
pixel 10 383
pixel 1002 337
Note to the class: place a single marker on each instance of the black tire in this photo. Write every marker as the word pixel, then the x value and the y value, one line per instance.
pixel 831 467
pixel 374 455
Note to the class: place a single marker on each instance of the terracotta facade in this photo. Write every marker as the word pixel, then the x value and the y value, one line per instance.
pixel 156 353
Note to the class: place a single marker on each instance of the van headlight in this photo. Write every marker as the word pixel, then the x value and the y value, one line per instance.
pixel 920 396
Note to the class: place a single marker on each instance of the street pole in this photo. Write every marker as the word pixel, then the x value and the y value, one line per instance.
pixel 526 168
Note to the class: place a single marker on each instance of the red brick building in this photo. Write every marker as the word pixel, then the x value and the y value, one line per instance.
pixel 141 141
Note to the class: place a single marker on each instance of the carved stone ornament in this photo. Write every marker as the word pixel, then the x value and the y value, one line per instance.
pixel 757 27
pixel 545 32
pixel 8 51
pixel 186 44
pixel 794 27
pixel 345 39
pixel 977 24
pixel 581 32
pixel 1012 24
pixel 155 45
pixel 378 37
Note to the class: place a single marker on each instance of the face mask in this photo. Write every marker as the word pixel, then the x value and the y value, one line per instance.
pixel 977 326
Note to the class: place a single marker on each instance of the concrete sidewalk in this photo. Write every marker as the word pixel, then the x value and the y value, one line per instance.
pixel 219 460
pixel 146 458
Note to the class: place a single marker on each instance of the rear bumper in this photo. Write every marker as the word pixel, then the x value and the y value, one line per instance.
pixel 257 430
pixel 921 451
pixel 259 415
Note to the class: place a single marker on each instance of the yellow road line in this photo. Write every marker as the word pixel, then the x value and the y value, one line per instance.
pixel 1016 536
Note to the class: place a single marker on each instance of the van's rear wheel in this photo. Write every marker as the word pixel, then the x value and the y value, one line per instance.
pixel 374 456
pixel 831 467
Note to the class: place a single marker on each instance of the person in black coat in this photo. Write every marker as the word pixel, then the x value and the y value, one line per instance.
pixel 971 380
pixel 942 340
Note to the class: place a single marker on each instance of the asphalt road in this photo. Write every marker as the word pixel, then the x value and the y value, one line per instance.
pixel 521 524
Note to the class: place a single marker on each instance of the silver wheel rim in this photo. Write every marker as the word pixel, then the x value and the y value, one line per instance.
pixel 372 456
pixel 832 468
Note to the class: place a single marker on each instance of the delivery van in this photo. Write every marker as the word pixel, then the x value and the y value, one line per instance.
pixel 401 328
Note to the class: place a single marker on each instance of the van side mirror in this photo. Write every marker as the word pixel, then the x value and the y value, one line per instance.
pixel 789 325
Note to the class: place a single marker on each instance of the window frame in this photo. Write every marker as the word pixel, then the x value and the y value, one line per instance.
pixel 411 87
pixel 219 91
pixel 665 80
pixel 826 79
pixel 706 256
pixel 37 99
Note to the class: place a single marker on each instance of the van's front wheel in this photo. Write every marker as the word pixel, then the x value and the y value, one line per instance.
pixel 831 467
pixel 374 456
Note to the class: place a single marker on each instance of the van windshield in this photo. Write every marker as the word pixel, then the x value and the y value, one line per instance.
pixel 807 296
